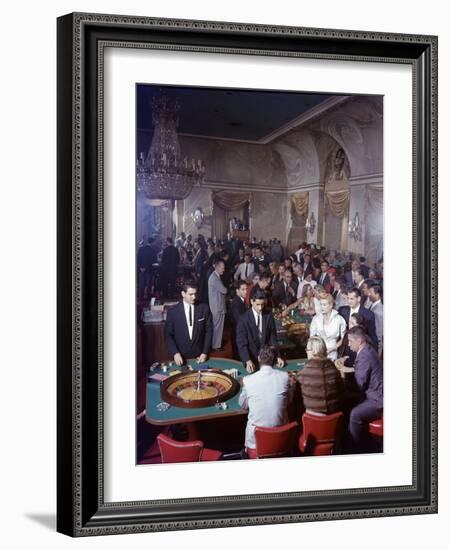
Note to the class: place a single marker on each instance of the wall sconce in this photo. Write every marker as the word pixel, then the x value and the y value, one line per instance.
pixel 355 228
pixel 310 224
pixel 198 217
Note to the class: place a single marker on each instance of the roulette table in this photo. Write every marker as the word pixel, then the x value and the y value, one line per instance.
pixel 219 406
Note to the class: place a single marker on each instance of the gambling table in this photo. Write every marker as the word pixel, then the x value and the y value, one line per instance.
pixel 162 416
pixel 292 331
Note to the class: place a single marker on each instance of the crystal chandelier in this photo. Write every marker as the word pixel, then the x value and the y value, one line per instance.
pixel 163 173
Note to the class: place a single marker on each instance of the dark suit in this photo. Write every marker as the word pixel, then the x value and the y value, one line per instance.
pixel 169 270
pixel 146 257
pixel 369 379
pixel 177 333
pixel 368 317
pixel 349 279
pixel 237 309
pixel 248 340
pixel 326 284
pixel 282 296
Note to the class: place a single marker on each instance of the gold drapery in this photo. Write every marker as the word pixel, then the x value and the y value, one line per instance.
pixel 230 200
pixel 338 202
pixel 301 203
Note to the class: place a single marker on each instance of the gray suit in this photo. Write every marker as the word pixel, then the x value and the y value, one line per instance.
pixel 265 394
pixel 378 310
pixel 217 304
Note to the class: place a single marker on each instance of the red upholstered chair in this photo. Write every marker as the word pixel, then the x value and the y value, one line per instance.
pixel 184 451
pixel 376 427
pixel 274 442
pixel 321 434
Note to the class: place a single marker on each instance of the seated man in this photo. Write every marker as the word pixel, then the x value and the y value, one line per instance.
pixel 369 379
pixel 255 329
pixel 284 292
pixel 188 329
pixel 265 394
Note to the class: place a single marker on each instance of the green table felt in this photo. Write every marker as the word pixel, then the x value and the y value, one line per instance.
pixel 175 415
pixel 284 340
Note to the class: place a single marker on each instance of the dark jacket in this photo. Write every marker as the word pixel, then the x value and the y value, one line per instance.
pixel 281 296
pixel 146 257
pixel 237 309
pixel 248 340
pixel 177 333
pixel 321 386
pixel 169 261
pixel 368 317
pixel 368 374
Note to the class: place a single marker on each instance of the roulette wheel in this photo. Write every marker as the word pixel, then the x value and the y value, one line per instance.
pixel 202 388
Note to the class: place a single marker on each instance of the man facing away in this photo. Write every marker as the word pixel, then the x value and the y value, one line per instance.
pixel 188 329
pixel 265 395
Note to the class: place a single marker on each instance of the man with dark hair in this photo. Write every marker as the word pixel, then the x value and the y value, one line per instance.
pixel 354 306
pixel 365 269
pixel 369 379
pixel 169 268
pixel 263 284
pixel 146 257
pixel 306 262
pixel 245 269
pixel 188 329
pixel 217 302
pixel 260 257
pixel 265 395
pixel 256 328
pixel 359 279
pixel 237 309
pixel 324 279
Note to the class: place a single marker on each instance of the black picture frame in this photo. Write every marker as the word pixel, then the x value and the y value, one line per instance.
pixel 81 510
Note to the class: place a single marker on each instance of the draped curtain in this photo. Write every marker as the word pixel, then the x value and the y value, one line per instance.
pixel 227 205
pixel 300 202
pixel 338 202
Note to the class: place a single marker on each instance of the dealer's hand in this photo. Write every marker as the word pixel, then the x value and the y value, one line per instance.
pixel 202 358
pixel 178 359
pixel 250 367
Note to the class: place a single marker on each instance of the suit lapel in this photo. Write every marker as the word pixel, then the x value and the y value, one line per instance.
pixel 195 321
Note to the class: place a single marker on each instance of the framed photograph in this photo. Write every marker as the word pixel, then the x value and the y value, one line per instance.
pixel 247 252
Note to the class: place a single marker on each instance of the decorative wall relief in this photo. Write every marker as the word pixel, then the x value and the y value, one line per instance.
pixel 299 155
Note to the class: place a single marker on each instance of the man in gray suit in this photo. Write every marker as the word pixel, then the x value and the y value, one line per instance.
pixel 265 394
pixel 368 376
pixel 377 307
pixel 217 303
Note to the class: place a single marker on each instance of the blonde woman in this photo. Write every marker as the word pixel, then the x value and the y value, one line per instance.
pixel 321 384
pixel 329 325
pixel 305 304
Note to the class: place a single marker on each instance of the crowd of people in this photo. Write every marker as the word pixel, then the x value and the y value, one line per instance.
pixel 240 285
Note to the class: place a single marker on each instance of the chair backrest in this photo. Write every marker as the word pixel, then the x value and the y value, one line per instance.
pixel 179 451
pixel 272 442
pixel 321 433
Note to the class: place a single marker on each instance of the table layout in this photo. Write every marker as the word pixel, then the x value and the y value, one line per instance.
pixel 155 414
pixel 293 330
